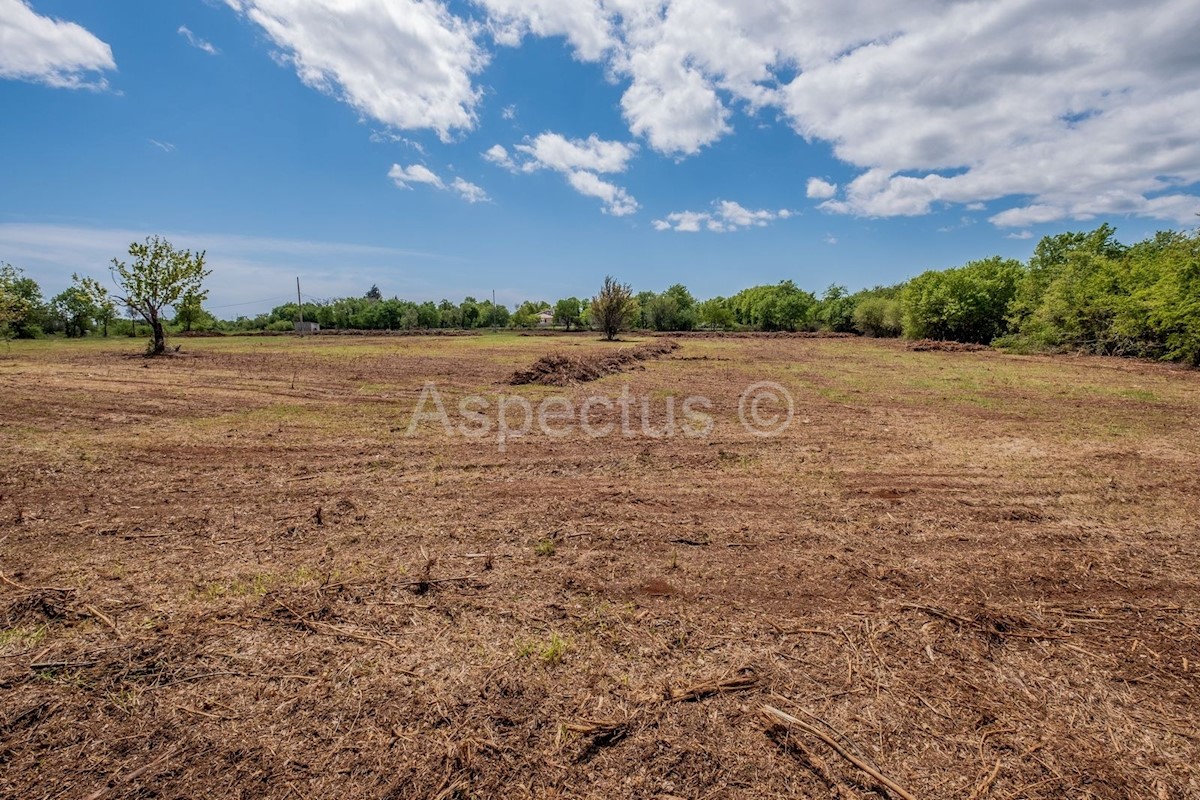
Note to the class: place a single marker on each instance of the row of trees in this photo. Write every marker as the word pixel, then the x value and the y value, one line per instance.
pixel 1082 291
pixel 157 277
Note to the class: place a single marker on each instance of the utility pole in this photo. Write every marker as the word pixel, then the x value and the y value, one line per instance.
pixel 493 310
pixel 300 305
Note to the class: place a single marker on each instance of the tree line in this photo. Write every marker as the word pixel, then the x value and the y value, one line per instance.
pixel 1080 291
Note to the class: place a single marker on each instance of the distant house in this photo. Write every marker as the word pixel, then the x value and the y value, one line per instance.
pixel 545 318
pixel 306 327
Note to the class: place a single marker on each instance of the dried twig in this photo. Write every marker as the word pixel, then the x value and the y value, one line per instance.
pixel 776 716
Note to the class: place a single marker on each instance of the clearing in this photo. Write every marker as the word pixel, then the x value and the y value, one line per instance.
pixel 235 574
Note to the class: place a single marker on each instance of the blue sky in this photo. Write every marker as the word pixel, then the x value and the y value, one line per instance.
pixel 353 142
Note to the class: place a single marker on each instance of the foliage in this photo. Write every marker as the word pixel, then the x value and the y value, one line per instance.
pixel 568 312
pixel 1086 291
pixel 159 277
pixel 966 304
pixel 783 306
pixel 835 311
pixel 716 314
pixel 877 316
pixel 22 311
pixel 614 308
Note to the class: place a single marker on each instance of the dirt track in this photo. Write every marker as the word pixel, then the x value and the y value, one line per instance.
pixel 235 574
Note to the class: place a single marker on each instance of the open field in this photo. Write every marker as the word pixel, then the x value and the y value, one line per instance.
pixel 234 574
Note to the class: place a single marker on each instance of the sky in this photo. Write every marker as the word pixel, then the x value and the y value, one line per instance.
pixel 445 148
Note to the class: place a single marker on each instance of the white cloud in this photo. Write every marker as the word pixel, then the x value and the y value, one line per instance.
pixel 725 216
pixel 555 151
pixel 830 239
pixel 617 201
pixel 819 189
pixel 499 156
pixel 1020 235
pixel 404 177
pixel 196 42
pixel 1083 107
pixel 405 63
pixel 581 161
pixel 584 23
pixel 391 137
pixel 50 51
pixel 509 112
pixel 166 147
pixel 469 191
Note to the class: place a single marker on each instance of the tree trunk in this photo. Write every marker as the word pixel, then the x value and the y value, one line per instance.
pixel 160 337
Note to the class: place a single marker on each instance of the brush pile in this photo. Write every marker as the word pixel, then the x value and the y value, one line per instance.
pixel 561 369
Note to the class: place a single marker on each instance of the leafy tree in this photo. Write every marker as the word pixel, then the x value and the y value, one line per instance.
pixel 188 311
pixel 568 311
pixel 966 304
pixel 644 299
pixel 614 308
pixel 878 316
pixel 159 277
pixel 783 306
pixel 75 307
pixel 835 312
pixel 105 309
pixel 22 310
pixel 716 314
pixel 526 315
pixel 373 293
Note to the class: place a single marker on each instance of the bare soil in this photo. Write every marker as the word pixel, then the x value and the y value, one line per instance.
pixel 238 575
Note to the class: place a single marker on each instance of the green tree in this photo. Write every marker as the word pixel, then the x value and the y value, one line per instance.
pixel 189 311
pixel 878 316
pixel 614 308
pixel 716 314
pixel 22 310
pixel 970 303
pixel 835 311
pixel 568 311
pixel 105 308
pixel 159 277
pixel 76 308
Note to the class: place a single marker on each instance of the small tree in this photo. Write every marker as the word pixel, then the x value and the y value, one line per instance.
pixel 188 312
pixel 567 311
pixel 159 276
pixel 614 308
pixel 74 306
pixel 13 307
pixel 104 309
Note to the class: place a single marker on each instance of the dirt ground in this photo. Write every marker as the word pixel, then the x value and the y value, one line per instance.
pixel 234 573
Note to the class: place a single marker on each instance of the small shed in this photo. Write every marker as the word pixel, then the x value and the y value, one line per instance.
pixel 306 327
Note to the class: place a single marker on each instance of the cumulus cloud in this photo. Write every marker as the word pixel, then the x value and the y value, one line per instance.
pixel 405 177
pixel 1044 111
pixel 1078 108
pixel 498 155
pixel 726 215
pixel 406 63
pixel 50 51
pixel 419 174
pixel 196 42
pixel 469 191
pixel 617 201
pixel 593 154
pixel 581 161
pixel 819 189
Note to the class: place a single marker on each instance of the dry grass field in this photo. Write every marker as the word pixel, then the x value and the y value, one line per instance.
pixel 232 573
